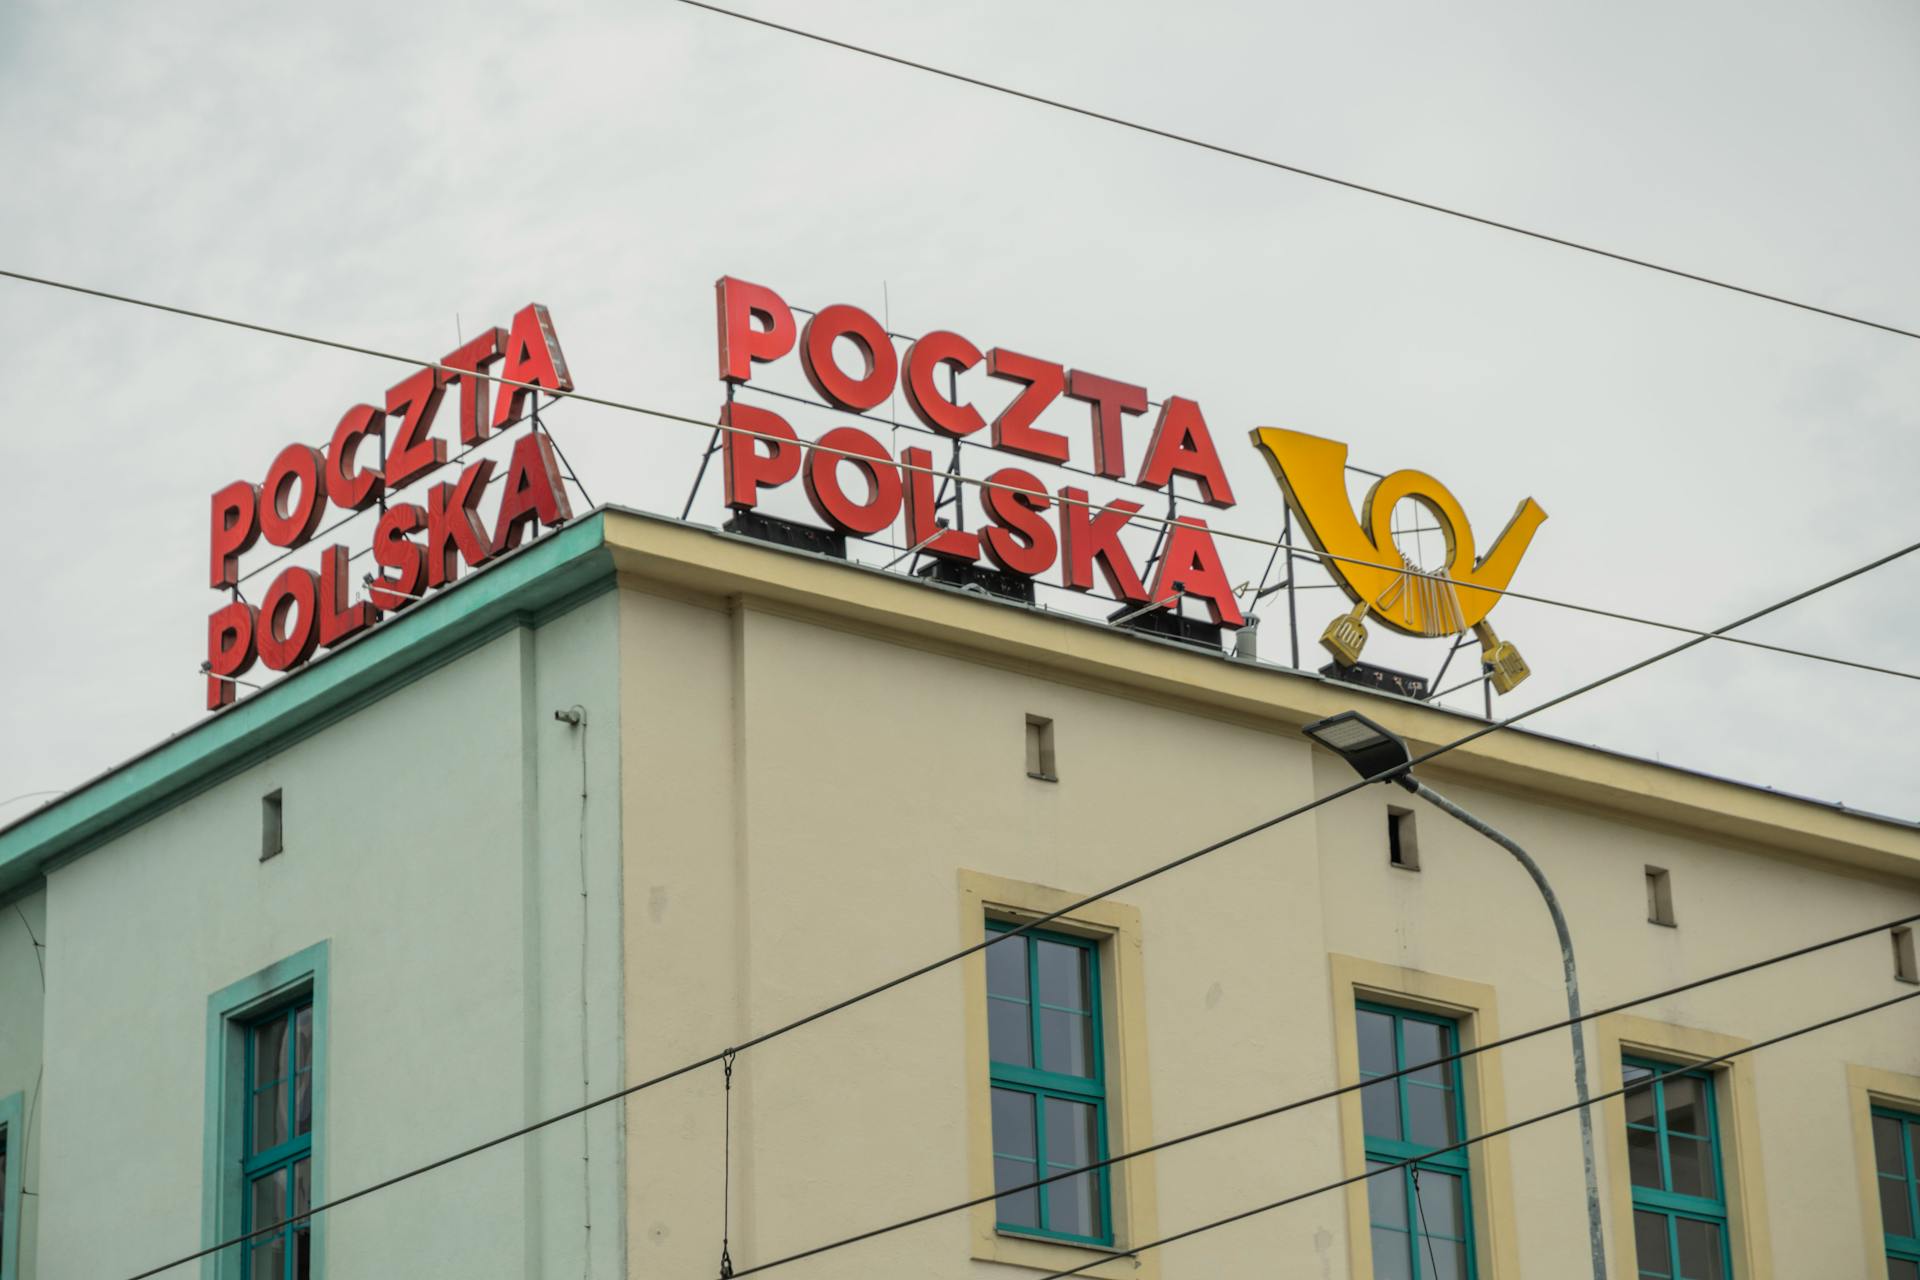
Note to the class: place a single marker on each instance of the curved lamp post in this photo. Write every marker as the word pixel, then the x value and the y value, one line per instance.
pixel 1374 752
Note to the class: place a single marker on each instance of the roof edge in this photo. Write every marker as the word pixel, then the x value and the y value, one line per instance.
pixel 715 564
pixel 549 574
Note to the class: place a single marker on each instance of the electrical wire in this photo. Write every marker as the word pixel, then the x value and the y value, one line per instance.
pixel 1303 172
pixel 1042 919
pixel 663 415
pixel 1326 1096
pixel 1477 1138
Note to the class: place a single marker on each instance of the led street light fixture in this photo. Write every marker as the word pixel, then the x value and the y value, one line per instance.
pixel 1370 749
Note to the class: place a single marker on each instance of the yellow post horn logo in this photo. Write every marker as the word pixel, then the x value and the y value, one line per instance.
pixel 1372 570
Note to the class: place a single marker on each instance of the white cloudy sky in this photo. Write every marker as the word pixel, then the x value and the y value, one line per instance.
pixel 382 173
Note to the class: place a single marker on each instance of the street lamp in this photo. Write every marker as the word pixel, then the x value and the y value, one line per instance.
pixel 1376 753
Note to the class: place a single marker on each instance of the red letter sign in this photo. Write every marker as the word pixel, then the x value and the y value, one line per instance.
pixel 1191 566
pixel 769 456
pixel 350 489
pixel 1182 445
pixel 923 521
pixel 473 359
pixel 833 384
pixel 1021 542
pixel 924 359
pixel 1013 429
pixel 285 644
pixel 1087 539
pixel 1109 399
pixel 294 497
pixel 236 526
pixel 830 501
pixel 411 454
pixel 338 619
pixel 533 356
pixel 533 492
pixel 453 521
pixel 394 550
pixel 229 650
pixel 741 345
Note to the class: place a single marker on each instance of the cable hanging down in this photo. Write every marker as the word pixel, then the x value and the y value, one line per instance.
pixel 726 1167
pixel 1478 1138
pixel 1292 551
pixel 1044 919
pixel 1303 172
pixel 1328 1095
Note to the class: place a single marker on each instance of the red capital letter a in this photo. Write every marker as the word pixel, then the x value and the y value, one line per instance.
pixel 1191 566
pixel 533 356
pixel 533 492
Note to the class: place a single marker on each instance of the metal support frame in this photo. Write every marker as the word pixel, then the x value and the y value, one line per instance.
pixel 713 447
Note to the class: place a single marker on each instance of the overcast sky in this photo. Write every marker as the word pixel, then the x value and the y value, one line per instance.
pixel 393 175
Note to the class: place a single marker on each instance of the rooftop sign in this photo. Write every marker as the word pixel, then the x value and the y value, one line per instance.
pixel 373 453
pixel 853 483
pixel 1029 529
pixel 1362 557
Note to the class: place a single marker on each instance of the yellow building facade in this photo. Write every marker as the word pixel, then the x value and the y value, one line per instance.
pixel 829 779
pixel 643 792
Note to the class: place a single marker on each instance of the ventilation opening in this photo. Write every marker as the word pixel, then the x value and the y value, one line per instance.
pixel 1660 896
pixel 1403 843
pixel 1040 749
pixel 270 825
pixel 1906 966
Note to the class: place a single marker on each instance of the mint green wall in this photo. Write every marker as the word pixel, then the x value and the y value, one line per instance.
pixel 433 837
pixel 23 917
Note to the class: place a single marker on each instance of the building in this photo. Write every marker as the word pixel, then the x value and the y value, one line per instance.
pixel 640 791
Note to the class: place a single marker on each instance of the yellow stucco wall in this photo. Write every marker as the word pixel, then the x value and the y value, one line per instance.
pixel 820 765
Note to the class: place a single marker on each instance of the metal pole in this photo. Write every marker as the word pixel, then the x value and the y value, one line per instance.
pixel 1293 618
pixel 1595 1239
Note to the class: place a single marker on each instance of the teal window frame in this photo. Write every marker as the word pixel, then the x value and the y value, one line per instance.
pixel 232 1013
pixel 1042 1084
pixel 1456 1163
pixel 284 1156
pixel 1671 1205
pixel 1902 1248
pixel 12 1189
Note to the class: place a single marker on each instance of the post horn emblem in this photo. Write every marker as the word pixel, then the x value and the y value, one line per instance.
pixel 1374 573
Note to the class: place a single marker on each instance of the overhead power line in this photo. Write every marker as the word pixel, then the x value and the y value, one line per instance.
pixel 1041 920
pixel 1326 1096
pixel 1141 517
pixel 1300 170
pixel 1501 1131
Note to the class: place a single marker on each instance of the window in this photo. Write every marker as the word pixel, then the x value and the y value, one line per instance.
pixel 1673 1157
pixel 1906 965
pixel 1403 844
pixel 1040 749
pixel 264 1152
pixel 1420 1214
pixel 1048 1084
pixel 278 1162
pixel 270 825
pixel 12 1170
pixel 1659 896
pixel 1896 1165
